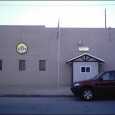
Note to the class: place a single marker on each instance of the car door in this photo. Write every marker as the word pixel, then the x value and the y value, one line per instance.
pixel 104 85
pixel 112 79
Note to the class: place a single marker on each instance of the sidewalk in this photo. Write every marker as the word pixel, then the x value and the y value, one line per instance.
pixel 32 91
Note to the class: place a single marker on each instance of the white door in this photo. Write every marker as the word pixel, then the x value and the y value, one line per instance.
pixel 84 70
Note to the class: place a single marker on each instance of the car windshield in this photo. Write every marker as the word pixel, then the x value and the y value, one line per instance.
pixel 97 76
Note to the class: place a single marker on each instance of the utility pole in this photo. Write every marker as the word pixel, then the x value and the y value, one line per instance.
pixel 105 19
pixel 58 37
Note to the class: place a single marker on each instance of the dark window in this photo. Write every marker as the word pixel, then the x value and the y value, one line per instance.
pixel 85 69
pixel 42 65
pixel 82 69
pixel 0 65
pixel 22 65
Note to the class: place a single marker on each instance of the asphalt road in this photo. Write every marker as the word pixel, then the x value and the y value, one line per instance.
pixel 55 105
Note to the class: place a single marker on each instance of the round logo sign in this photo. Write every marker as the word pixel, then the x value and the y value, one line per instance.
pixel 22 48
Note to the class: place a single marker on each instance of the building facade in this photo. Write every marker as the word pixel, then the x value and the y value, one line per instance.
pixel 29 54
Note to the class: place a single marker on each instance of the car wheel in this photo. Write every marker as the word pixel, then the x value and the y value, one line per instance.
pixel 87 94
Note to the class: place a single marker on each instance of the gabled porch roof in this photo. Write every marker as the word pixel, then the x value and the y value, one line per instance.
pixel 85 58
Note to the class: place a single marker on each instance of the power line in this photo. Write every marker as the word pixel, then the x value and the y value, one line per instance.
pixel 64 5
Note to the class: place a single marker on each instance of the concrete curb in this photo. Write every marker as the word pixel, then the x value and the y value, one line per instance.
pixel 23 95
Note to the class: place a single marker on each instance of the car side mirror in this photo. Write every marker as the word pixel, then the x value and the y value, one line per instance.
pixel 101 79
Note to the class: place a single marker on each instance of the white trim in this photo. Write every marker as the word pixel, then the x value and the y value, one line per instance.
pixel 88 55
pixel 85 69
pixel 95 57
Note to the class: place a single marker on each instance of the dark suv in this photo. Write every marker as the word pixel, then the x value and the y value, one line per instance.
pixel 102 84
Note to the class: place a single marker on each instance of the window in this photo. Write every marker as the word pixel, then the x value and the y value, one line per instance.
pixel 85 69
pixel 42 65
pixel 112 76
pixel 105 76
pixel 82 69
pixel 0 65
pixel 22 65
pixel 109 76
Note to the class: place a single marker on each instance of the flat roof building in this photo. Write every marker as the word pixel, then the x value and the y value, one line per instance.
pixel 29 54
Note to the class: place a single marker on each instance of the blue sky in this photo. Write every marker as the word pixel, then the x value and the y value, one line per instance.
pixel 71 13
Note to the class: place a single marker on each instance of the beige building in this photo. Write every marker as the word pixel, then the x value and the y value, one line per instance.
pixel 29 54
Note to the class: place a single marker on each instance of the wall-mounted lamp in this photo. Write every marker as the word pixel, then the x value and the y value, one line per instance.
pixel 79 43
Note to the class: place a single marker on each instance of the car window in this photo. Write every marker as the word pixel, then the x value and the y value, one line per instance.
pixel 99 74
pixel 105 76
pixel 112 76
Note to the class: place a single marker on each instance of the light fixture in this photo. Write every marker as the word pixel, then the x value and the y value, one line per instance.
pixel 79 43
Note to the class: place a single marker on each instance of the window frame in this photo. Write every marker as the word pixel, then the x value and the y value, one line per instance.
pixel 85 69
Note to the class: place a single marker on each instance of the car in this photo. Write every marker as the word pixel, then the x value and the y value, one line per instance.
pixel 103 84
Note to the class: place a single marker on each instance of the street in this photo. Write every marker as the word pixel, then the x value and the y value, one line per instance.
pixel 55 105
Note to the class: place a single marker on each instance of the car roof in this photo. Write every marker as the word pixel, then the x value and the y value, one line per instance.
pixel 110 71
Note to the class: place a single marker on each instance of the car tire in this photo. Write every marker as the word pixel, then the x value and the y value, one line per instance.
pixel 87 94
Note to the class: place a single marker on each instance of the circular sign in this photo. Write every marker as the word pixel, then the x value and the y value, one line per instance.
pixel 22 48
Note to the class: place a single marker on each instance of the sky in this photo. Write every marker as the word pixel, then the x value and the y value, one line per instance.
pixel 89 14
